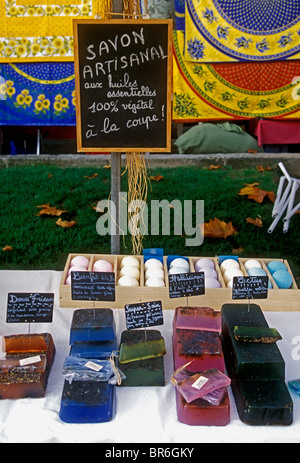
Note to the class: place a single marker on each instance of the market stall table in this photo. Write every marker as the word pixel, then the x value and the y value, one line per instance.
pixel 144 414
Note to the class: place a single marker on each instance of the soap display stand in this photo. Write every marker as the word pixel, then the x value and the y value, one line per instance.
pixel 256 369
pixel 94 400
pixel 201 357
pixel 278 299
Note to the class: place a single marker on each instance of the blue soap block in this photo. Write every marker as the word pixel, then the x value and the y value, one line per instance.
pixel 93 350
pixel 275 265
pixel 295 386
pixel 283 279
pixel 92 325
pixel 88 402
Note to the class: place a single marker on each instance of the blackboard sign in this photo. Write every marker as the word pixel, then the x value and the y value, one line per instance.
pixel 250 287
pixel 144 315
pixel 93 286
pixel 186 284
pixel 123 75
pixel 29 307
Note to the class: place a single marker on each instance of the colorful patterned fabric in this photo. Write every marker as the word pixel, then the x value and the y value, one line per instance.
pixel 233 90
pixel 41 31
pixel 39 94
pixel 242 30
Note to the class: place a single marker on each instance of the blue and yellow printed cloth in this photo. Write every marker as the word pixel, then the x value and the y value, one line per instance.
pixel 242 30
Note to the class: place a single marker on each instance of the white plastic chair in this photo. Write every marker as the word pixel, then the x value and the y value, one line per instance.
pixel 285 199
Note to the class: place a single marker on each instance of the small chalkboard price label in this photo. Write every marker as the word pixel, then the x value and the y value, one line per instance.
pixel 186 284
pixel 29 308
pixel 144 315
pixel 250 287
pixel 93 286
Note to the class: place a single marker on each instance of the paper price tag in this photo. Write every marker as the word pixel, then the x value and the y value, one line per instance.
pixel 93 366
pixel 199 383
pixel 29 361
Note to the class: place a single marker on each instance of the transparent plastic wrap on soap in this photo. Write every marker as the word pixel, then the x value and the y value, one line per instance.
pixel 80 369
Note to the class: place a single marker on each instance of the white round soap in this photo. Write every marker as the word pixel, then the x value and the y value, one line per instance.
pixel 203 263
pixel 155 282
pixel 128 281
pixel 102 266
pixel 229 263
pixel 153 263
pixel 211 283
pixel 252 263
pixel 209 272
pixel 231 273
pixel 177 270
pixel 80 261
pixel 154 272
pixel 179 262
pixel 130 271
pixel 76 269
pixel 130 260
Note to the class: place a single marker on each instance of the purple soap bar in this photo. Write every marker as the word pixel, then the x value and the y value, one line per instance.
pixel 195 386
pixel 197 318
pixel 204 348
pixel 201 413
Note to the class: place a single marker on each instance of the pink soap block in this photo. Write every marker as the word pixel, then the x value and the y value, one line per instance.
pixel 201 413
pixel 197 318
pixel 204 348
pixel 196 386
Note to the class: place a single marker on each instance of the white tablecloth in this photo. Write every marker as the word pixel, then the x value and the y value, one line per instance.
pixel 144 415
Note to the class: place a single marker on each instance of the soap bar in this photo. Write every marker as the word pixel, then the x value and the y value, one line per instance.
pixel 17 344
pixel 249 360
pixel 92 325
pixel 87 402
pixel 263 403
pixel 202 348
pixel 25 371
pixel 197 318
pixel 201 413
pixel 79 369
pixel 140 345
pixel 197 385
pixel 94 350
pixel 256 334
pixel 295 386
pixel 149 372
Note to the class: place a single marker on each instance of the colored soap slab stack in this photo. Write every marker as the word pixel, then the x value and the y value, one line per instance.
pixel 141 358
pixel 255 366
pixel 25 370
pixel 88 397
pixel 201 386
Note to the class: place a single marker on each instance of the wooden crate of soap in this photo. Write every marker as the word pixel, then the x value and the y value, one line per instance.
pixel 278 299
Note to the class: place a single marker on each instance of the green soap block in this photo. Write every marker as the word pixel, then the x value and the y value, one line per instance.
pixel 149 372
pixel 256 334
pixel 249 360
pixel 263 403
pixel 140 345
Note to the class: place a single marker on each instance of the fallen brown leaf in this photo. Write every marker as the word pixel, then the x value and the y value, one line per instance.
pixel 255 193
pixel 157 178
pixel 48 210
pixel 65 223
pixel 212 167
pixel 218 229
pixel 257 222
pixel 7 248
pixel 91 177
pixel 263 169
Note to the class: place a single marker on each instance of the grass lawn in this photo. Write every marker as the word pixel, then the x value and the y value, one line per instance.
pixel 37 242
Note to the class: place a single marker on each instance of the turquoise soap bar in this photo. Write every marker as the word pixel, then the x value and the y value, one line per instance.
pixel 94 350
pixel 90 325
pixel 295 386
pixel 263 403
pixel 248 360
pixel 87 402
